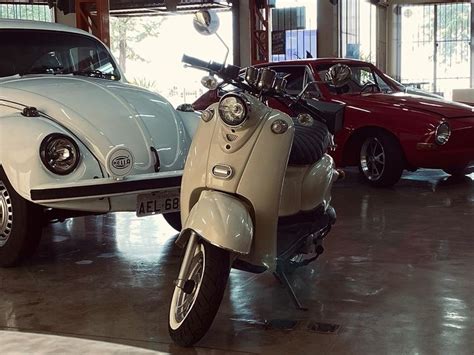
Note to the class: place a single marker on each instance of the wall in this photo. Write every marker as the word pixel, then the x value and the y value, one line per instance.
pixel 393 41
pixel 382 40
pixel 69 20
pixel 244 36
pixel 328 29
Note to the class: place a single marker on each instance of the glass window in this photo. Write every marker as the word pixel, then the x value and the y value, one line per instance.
pixel 384 87
pixel 294 30
pixel 364 80
pixel 296 76
pixel 36 12
pixel 51 52
pixel 439 37
pixel 358 28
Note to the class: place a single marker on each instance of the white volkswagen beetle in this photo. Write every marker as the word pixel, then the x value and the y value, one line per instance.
pixel 76 139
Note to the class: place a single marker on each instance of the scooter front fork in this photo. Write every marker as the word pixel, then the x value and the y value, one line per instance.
pixel 182 282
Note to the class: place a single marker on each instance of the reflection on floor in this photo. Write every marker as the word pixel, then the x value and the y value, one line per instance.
pixel 396 276
pixel 32 343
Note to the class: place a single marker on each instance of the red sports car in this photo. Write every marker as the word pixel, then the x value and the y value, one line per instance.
pixel 385 129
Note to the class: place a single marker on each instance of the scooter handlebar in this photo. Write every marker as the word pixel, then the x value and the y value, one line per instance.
pixel 229 72
pixel 198 63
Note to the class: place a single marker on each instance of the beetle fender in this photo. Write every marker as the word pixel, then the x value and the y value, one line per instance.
pixel 20 140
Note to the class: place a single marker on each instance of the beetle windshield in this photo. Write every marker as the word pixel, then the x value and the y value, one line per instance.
pixel 364 79
pixel 52 52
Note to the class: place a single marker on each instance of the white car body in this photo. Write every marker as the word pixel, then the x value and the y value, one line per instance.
pixel 101 116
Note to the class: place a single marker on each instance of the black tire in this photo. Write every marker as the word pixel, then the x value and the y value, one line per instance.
pixel 20 225
pixel 458 171
pixel 393 160
pixel 199 318
pixel 173 219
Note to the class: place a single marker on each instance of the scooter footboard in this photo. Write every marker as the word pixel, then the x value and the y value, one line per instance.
pixel 222 220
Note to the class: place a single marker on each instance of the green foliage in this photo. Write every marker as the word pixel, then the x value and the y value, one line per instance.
pixel 35 12
pixel 453 30
pixel 125 32
pixel 146 83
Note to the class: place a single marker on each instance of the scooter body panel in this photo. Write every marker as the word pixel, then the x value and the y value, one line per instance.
pixel 257 158
pixel 317 184
pixel 222 220
pixel 306 187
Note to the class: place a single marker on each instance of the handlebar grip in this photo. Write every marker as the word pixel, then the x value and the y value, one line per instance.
pixel 195 62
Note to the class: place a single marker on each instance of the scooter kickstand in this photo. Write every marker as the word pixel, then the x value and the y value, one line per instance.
pixel 281 276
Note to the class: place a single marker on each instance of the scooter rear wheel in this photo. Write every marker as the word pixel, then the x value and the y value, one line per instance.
pixel 192 312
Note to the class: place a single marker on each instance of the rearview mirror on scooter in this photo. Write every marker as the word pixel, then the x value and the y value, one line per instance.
pixel 338 75
pixel 206 22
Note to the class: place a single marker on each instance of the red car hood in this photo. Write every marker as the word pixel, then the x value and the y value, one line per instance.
pixel 447 109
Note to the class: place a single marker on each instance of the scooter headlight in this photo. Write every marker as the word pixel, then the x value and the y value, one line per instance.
pixel 59 154
pixel 443 132
pixel 233 110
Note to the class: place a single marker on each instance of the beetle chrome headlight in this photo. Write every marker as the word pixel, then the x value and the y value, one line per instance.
pixel 233 110
pixel 59 154
pixel 443 132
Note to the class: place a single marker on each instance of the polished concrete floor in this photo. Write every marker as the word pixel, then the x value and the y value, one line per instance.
pixel 396 277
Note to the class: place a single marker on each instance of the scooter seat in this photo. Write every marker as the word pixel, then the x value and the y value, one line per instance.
pixel 309 144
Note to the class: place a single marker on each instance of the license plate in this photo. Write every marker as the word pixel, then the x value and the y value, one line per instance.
pixel 163 201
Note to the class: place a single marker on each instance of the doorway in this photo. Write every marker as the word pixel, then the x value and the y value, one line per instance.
pixel 435 50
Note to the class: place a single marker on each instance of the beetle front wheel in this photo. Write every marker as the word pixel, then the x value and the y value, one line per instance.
pixel 173 219
pixel 198 291
pixel 20 225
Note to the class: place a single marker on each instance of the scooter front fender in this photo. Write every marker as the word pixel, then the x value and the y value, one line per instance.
pixel 221 219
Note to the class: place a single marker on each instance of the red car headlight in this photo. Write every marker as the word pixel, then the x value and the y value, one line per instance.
pixel 443 132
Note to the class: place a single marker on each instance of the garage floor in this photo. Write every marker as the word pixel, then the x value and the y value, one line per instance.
pixel 397 277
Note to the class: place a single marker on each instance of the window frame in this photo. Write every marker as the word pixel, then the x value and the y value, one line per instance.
pixel 307 77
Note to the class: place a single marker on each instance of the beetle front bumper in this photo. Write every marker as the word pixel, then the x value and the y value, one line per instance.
pixel 102 188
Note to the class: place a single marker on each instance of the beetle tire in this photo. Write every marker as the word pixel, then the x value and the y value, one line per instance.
pixel 394 160
pixel 199 318
pixel 173 219
pixel 24 225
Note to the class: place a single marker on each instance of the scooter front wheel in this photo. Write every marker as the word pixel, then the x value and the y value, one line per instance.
pixel 198 291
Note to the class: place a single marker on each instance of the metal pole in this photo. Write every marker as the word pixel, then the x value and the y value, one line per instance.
pixel 435 55
pixel 471 45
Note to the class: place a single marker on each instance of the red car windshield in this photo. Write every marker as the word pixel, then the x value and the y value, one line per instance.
pixel 53 52
pixel 364 80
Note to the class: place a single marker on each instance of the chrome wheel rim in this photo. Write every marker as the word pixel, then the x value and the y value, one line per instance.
pixel 6 214
pixel 182 302
pixel 372 159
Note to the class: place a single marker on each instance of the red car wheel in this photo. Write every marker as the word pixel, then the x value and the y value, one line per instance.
pixel 381 160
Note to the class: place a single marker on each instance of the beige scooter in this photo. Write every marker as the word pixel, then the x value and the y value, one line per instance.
pixel 255 193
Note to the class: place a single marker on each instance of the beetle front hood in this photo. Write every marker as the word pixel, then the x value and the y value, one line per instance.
pixel 104 114
pixel 444 108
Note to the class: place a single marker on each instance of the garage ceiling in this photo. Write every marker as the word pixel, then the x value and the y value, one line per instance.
pixel 140 7
pixel 161 7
